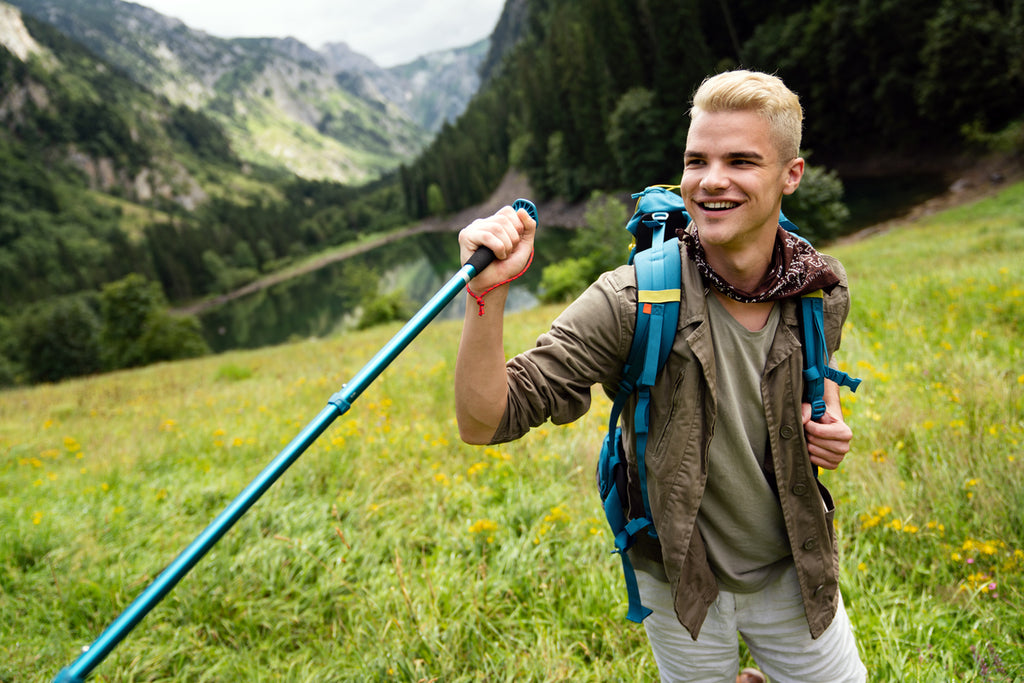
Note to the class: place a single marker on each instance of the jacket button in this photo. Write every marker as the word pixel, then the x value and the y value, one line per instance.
pixel 810 544
pixel 819 589
pixel 787 432
pixel 799 489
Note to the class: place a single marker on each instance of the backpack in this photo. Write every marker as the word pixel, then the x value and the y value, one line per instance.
pixel 659 212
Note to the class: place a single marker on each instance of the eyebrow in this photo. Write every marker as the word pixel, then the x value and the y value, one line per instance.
pixel 689 154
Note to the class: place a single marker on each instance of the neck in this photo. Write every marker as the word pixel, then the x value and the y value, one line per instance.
pixel 744 269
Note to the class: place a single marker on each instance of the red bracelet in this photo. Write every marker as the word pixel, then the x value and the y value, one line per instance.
pixel 480 297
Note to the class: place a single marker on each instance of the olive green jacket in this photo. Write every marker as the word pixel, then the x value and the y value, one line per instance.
pixel 588 344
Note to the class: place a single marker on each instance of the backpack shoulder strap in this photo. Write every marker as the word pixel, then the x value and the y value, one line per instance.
pixel 658 296
pixel 816 356
pixel 658 272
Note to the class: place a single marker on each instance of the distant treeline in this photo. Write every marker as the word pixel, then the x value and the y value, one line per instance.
pixel 595 93
pixel 224 244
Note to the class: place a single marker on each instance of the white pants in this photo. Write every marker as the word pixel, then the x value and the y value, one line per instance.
pixel 774 628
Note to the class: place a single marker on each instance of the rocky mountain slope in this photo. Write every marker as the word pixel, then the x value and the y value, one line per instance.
pixel 320 114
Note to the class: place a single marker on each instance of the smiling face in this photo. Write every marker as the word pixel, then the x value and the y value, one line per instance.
pixel 733 182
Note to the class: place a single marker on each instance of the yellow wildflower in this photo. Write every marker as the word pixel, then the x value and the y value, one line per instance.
pixel 482 526
pixel 557 514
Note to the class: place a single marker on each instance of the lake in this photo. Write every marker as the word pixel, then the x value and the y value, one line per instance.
pixel 328 300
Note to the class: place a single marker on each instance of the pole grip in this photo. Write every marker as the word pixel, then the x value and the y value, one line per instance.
pixel 483 256
pixel 480 259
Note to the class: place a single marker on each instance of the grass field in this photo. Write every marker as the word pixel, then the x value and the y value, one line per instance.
pixel 392 552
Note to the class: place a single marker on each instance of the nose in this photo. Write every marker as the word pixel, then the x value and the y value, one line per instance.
pixel 715 178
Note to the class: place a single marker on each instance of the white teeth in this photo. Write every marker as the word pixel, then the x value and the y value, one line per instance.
pixel 719 205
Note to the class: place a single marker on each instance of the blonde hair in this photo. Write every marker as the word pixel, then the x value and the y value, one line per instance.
pixel 759 92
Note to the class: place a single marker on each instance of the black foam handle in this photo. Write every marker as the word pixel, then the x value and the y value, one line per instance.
pixel 480 259
pixel 483 256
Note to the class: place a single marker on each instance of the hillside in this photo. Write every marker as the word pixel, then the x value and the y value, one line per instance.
pixel 390 550
pixel 320 114
pixel 61 106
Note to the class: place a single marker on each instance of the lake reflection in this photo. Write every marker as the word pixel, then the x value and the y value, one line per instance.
pixel 328 300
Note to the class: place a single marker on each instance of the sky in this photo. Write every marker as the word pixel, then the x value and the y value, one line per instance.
pixel 390 32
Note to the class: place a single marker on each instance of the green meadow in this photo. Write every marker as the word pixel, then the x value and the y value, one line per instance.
pixel 393 552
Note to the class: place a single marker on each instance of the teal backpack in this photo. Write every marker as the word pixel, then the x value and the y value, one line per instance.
pixel 659 212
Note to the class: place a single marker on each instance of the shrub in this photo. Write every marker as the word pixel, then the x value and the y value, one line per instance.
pixel 601 245
pixel 817 206
pixel 385 308
pixel 138 330
pixel 59 338
pixel 166 337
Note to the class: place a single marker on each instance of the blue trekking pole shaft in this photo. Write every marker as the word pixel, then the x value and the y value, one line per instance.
pixel 338 405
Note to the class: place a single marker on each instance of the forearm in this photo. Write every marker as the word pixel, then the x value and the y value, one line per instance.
pixel 481 385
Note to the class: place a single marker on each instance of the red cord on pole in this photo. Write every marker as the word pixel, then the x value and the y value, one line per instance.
pixel 480 297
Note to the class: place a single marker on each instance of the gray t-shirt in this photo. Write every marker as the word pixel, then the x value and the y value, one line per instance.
pixel 740 518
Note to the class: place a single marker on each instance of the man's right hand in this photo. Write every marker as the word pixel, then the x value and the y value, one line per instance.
pixel 509 234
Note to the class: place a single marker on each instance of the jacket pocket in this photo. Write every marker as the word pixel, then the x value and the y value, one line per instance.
pixel 669 424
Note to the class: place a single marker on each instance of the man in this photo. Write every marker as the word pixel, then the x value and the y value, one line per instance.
pixel 745 539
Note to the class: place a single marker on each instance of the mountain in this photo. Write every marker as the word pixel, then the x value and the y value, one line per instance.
pixel 329 114
pixel 68 120
pixel 438 86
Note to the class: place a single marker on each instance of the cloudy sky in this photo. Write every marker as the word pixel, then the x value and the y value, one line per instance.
pixel 388 31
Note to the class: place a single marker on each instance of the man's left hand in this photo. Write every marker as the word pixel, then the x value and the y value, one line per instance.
pixel 828 441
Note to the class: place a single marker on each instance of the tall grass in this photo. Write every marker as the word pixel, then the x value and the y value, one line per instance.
pixel 933 515
pixel 392 552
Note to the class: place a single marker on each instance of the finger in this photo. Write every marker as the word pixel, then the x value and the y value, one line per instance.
pixel 828 454
pixel 495 233
pixel 516 225
pixel 826 463
pixel 529 225
pixel 835 437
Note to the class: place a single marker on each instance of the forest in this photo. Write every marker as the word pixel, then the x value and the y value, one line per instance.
pixel 585 97
pixel 594 94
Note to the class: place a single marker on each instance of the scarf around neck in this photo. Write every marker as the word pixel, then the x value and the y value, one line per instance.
pixel 796 268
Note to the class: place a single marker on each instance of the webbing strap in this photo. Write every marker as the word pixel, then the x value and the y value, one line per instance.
pixel 623 530
pixel 816 367
pixel 636 611
pixel 815 361
pixel 641 428
pixel 658 276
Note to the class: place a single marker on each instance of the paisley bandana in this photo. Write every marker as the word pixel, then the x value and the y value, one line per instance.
pixel 796 268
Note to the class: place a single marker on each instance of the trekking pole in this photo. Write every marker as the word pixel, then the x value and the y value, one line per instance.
pixel 338 405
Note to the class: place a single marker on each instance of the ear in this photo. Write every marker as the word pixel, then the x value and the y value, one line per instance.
pixel 794 173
